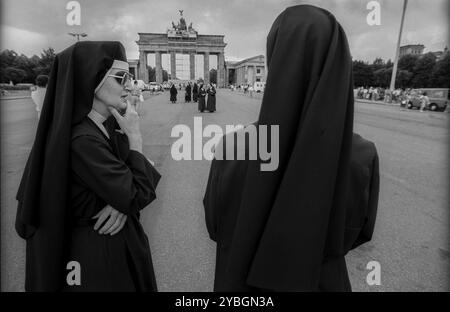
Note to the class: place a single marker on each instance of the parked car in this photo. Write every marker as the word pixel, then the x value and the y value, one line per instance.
pixel 153 86
pixel 439 98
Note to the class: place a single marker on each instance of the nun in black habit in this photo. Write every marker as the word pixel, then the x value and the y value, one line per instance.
pixel 187 96
pixel 85 181
pixel 173 93
pixel 195 92
pixel 289 229
pixel 201 98
pixel 211 102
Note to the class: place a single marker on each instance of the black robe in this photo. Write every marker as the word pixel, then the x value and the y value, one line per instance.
pixel 187 96
pixel 224 194
pixel 173 94
pixel 211 103
pixel 106 172
pixel 292 217
pixel 48 204
pixel 201 99
pixel 195 93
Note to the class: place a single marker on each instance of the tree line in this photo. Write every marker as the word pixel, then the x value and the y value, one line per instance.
pixel 414 71
pixel 23 69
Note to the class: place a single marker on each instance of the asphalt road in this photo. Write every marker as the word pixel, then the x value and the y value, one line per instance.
pixel 411 238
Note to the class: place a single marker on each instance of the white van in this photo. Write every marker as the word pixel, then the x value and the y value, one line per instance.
pixel 259 86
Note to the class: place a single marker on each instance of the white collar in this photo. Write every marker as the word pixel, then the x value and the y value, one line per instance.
pixel 98 119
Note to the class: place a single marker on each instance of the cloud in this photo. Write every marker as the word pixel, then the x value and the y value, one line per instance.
pixel 245 24
pixel 23 41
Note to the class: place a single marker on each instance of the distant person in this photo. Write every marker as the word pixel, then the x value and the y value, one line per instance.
pixel 250 90
pixel 173 93
pixel 201 98
pixel 187 95
pixel 375 94
pixel 388 96
pixel 211 102
pixel 38 95
pixel 136 96
pixel 424 101
pixel 195 92
pixel 289 229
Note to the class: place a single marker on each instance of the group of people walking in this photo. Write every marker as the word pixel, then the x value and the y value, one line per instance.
pixel 204 95
pixel 204 103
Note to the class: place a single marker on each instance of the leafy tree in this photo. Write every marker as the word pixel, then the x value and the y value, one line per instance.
pixel 15 75
pixel 403 79
pixel 441 73
pixel 423 71
pixel 27 69
pixel 407 62
pixel 362 74
pixel 382 77
pixel 377 64
pixel 22 62
pixel 7 59
pixel 46 61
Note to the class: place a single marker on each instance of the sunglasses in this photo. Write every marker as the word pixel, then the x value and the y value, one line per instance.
pixel 123 78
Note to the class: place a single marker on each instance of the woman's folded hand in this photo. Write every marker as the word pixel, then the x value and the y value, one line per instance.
pixel 115 223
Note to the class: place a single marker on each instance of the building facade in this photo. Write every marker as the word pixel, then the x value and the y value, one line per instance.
pixel 247 71
pixel 181 39
pixel 414 49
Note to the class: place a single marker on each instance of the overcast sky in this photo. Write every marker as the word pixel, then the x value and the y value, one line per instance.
pixel 28 26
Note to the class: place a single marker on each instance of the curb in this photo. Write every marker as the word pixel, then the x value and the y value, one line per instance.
pixel 15 97
pixel 377 102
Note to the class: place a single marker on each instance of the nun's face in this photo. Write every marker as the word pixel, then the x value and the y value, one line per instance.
pixel 113 93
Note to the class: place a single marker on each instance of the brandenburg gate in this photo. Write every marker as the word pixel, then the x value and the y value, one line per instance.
pixel 181 39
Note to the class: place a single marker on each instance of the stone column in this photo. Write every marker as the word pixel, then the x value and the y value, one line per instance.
pixel 254 73
pixel 246 80
pixel 226 77
pixel 192 65
pixel 173 65
pixel 206 67
pixel 221 71
pixel 158 69
pixel 143 72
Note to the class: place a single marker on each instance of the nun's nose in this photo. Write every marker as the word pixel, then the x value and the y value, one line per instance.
pixel 127 86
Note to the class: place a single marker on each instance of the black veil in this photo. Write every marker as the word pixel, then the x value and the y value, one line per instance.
pixel 293 217
pixel 43 192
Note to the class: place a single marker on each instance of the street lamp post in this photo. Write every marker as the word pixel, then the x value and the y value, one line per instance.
pixel 77 35
pixel 397 51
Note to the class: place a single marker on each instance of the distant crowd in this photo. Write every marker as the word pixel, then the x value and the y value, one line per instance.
pixel 246 89
pixel 382 94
